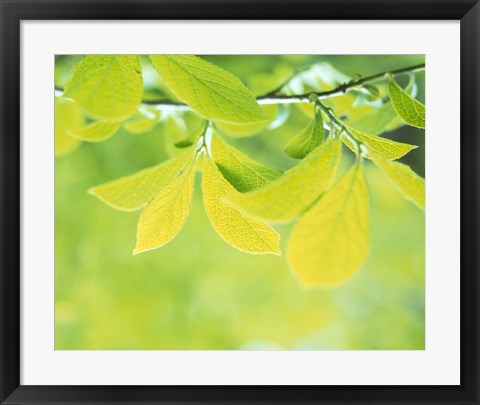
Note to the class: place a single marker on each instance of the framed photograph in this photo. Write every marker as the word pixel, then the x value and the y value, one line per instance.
pixel 239 202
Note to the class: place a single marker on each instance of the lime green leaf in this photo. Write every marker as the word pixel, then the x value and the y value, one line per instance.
pixel 412 111
pixel 96 131
pixel 165 215
pixel 371 93
pixel 410 184
pixel 67 118
pixel 142 123
pixel 292 193
pixel 107 86
pixel 240 230
pixel 238 169
pixel 331 241
pixel 386 147
pixel 349 143
pixel 376 122
pixel 193 138
pixel 250 128
pixel 211 91
pixel 174 130
pixel 307 140
pixel 133 192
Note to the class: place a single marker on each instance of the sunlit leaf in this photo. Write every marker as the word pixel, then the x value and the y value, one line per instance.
pixel 331 241
pixel 133 192
pixel 193 138
pixel 67 118
pixel 174 130
pixel 251 128
pixel 165 215
pixel 377 121
pixel 307 140
pixel 96 131
pixel 142 123
pixel 106 86
pixel 292 193
pixel 210 90
pixel 238 229
pixel 412 111
pixel 386 147
pixel 243 173
pixel 410 184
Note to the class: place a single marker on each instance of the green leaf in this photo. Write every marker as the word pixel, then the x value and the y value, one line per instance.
pixel 307 140
pixel 133 192
pixel 244 130
pixel 193 138
pixel 349 143
pixel 96 131
pixel 292 193
pixel 142 123
pixel 211 91
pixel 240 230
pixel 165 215
pixel 371 93
pixel 331 241
pixel 386 147
pixel 67 118
pixel 410 184
pixel 174 130
pixel 239 170
pixel 412 111
pixel 382 120
pixel 107 86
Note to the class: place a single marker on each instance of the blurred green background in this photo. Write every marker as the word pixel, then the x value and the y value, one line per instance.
pixel 197 292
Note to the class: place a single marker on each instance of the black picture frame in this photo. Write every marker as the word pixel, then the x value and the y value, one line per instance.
pixel 14 11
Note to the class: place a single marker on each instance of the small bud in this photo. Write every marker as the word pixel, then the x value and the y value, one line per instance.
pixel 312 98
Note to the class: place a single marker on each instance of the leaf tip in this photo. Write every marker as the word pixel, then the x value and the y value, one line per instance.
pixel 136 251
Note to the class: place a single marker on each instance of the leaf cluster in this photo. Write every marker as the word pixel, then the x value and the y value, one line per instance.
pixel 242 197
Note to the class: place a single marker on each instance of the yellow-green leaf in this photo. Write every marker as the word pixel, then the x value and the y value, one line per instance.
pixel 106 86
pixel 307 140
pixel 376 122
pixel 142 123
pixel 67 118
pixel 331 241
pixel 133 192
pixel 240 230
pixel 349 143
pixel 165 215
pixel 244 130
pixel 409 183
pixel 193 138
pixel 292 193
pixel 96 131
pixel 386 147
pixel 211 91
pixel 243 173
pixel 412 111
pixel 174 130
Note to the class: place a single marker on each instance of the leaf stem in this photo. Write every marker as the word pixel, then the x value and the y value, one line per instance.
pixel 343 131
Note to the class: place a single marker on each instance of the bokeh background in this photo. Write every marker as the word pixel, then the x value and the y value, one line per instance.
pixel 199 293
